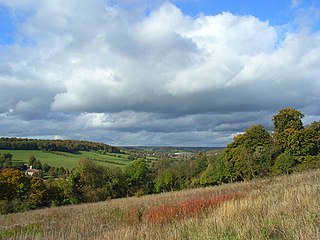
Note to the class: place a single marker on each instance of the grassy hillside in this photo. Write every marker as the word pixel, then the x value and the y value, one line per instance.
pixel 68 160
pixel 286 207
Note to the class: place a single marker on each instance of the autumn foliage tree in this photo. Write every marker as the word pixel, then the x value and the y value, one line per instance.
pixel 13 184
pixel 287 118
pixel 288 127
pixel 19 192
pixel 37 195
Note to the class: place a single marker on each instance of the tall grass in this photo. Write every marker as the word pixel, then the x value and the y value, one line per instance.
pixel 286 207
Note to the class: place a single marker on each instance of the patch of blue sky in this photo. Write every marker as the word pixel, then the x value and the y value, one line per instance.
pixel 276 12
pixel 281 13
pixel 7 28
pixel 10 21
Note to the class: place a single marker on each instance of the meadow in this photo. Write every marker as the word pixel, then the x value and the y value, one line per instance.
pixel 69 160
pixel 285 207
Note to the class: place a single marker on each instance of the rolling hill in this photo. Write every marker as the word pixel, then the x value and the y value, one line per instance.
pixel 68 160
pixel 62 153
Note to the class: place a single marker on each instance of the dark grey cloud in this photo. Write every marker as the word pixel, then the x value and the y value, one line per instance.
pixel 146 73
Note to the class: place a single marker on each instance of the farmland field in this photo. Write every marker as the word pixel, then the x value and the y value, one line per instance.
pixel 68 160
pixel 285 207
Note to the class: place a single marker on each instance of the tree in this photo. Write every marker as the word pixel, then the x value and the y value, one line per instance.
pixel 37 164
pixel 165 181
pixel 243 156
pixel 58 192
pixel 5 160
pixel 38 193
pixel 46 167
pixel 86 178
pixel 199 164
pixel 291 141
pixel 311 139
pixel 136 174
pixel 162 164
pixel 287 118
pixel 288 128
pixel 53 172
pixel 215 173
pixel 61 172
pixel 91 182
pixel 32 160
pixel 284 163
pixel 253 137
pixel 13 183
pixel 90 173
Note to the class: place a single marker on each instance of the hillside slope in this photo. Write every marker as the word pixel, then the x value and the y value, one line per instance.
pixel 286 207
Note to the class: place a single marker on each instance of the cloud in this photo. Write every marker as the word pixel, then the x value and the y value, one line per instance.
pixel 150 74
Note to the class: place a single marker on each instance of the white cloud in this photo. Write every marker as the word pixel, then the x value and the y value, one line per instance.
pixel 105 67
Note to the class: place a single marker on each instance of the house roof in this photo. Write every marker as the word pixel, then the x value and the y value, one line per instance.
pixel 32 170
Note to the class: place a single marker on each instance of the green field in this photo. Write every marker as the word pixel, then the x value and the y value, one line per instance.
pixel 69 160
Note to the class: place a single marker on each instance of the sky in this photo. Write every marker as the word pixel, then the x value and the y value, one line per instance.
pixel 179 73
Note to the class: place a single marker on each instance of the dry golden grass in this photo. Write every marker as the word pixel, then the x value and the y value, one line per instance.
pixel 286 207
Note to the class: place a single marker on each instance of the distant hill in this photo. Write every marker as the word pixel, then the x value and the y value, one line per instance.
pixel 71 146
pixel 172 149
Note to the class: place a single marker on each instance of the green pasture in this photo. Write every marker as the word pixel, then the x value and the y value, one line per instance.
pixel 68 160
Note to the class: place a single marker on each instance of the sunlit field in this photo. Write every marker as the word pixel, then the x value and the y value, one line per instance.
pixel 69 160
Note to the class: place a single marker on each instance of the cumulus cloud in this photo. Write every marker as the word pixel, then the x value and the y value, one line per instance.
pixel 150 72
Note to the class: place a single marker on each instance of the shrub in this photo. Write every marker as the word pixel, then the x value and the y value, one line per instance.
pixel 188 208
pixel 307 163
pixel 284 163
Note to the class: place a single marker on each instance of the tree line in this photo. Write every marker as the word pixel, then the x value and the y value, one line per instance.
pixel 71 146
pixel 256 153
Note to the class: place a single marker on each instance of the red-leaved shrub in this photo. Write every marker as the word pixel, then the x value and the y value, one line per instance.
pixel 181 210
